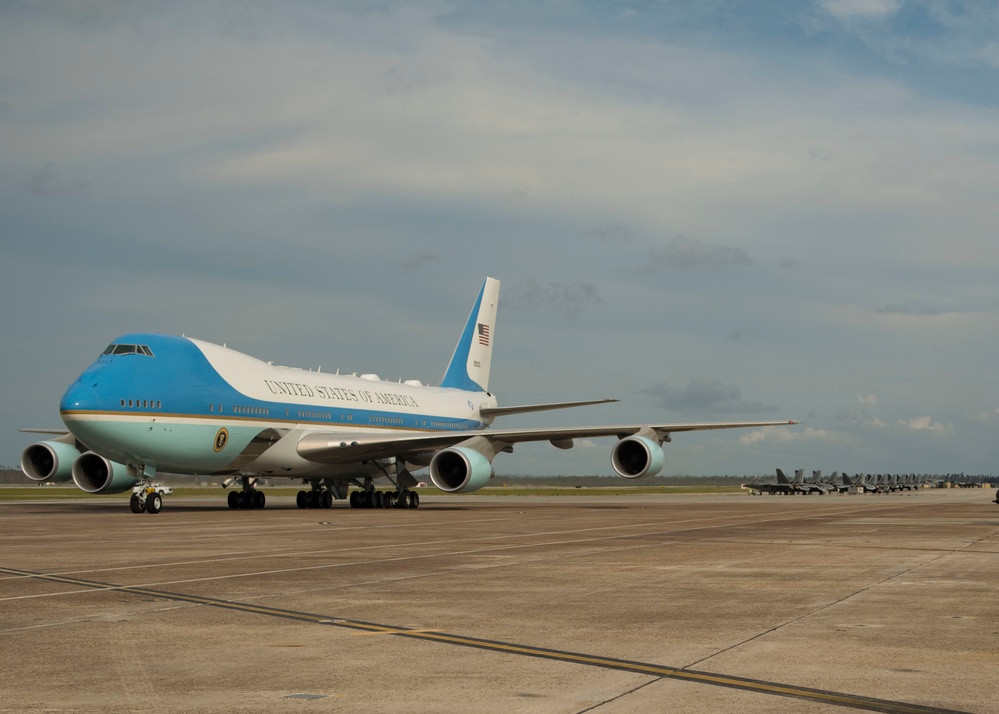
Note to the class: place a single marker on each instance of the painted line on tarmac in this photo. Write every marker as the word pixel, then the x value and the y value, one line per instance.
pixel 655 670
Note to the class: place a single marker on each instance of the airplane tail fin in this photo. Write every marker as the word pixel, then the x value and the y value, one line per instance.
pixel 472 357
pixel 781 478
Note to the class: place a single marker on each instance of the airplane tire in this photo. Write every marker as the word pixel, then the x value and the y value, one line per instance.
pixel 233 499
pixel 414 500
pixel 388 500
pixel 300 499
pixel 133 503
pixel 259 499
pixel 378 499
pixel 154 503
pixel 354 500
pixel 327 499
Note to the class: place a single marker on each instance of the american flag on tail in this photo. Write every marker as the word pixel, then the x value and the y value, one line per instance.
pixel 483 334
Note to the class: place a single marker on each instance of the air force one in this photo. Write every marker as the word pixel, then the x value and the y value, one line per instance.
pixel 154 404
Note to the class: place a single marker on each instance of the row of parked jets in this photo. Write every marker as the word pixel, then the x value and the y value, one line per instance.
pixel 838 483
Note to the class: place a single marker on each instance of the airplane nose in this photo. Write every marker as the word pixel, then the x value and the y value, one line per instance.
pixel 80 397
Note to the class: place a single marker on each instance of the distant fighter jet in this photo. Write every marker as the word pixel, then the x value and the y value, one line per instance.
pixel 837 483
pixel 816 485
pixel 781 486
pixel 860 480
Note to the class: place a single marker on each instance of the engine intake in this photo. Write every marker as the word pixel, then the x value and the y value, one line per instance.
pixel 49 461
pixel 637 456
pixel 460 470
pixel 95 474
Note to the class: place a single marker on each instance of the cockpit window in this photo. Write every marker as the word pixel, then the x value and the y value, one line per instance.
pixel 115 349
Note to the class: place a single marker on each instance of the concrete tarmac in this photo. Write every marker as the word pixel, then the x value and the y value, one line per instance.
pixel 505 604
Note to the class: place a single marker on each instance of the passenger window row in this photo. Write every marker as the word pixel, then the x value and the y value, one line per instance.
pixel 142 403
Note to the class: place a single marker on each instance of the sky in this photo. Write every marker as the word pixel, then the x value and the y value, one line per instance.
pixel 711 210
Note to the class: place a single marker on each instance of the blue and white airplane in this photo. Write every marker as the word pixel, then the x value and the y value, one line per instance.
pixel 162 404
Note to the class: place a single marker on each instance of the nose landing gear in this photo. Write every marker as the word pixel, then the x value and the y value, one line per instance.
pixel 147 497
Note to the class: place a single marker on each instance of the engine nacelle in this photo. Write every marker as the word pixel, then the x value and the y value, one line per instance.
pixel 460 470
pixel 49 461
pixel 95 474
pixel 637 456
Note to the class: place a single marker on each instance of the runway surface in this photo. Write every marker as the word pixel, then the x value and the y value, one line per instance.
pixel 497 604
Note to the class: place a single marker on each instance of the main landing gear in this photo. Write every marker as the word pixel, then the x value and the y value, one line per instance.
pixel 325 490
pixel 318 497
pixel 370 498
pixel 247 497
pixel 401 497
pixel 323 494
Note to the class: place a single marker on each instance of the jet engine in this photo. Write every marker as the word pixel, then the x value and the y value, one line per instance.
pixel 49 461
pixel 460 470
pixel 95 474
pixel 637 456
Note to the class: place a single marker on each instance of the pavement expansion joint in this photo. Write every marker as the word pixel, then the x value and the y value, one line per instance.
pixel 656 670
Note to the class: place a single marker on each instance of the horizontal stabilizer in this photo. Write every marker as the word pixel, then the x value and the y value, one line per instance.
pixel 57 432
pixel 490 412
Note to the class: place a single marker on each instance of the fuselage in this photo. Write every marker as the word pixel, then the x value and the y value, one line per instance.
pixel 180 405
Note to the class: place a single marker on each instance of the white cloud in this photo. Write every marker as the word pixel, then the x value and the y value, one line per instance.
pixel 985 417
pixel 790 434
pixel 869 400
pixel 925 424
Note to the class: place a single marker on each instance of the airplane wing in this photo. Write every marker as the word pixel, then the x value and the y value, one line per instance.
pixel 490 412
pixel 341 448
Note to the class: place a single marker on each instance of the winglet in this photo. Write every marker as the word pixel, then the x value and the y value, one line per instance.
pixel 472 357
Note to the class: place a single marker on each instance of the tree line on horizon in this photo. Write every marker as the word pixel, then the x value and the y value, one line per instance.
pixel 14 476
